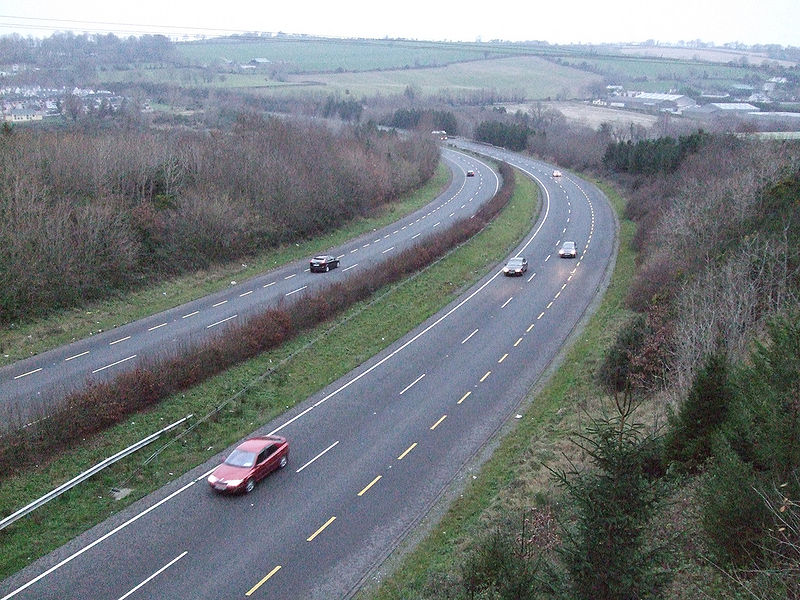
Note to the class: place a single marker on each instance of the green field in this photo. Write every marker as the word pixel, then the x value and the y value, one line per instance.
pixel 660 70
pixel 315 54
pixel 530 77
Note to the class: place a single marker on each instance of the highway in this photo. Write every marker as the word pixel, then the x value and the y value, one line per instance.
pixel 370 454
pixel 28 388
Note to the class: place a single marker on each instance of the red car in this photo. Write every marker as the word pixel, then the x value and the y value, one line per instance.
pixel 252 460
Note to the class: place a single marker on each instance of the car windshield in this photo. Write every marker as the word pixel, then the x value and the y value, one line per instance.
pixel 515 262
pixel 240 458
pixel 569 245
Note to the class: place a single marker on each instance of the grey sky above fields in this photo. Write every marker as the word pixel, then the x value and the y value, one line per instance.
pixel 561 22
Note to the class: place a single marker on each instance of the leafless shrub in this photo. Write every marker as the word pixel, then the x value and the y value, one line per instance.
pixel 85 213
pixel 730 301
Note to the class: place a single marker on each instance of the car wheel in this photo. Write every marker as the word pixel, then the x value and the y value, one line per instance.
pixel 284 462
pixel 249 486
pixel 327 268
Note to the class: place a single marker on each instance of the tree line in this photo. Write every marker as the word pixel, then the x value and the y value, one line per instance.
pixel 65 49
pixel 84 214
pixel 424 119
pixel 651 156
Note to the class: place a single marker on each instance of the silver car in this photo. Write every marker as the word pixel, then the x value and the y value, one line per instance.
pixel 516 266
pixel 568 250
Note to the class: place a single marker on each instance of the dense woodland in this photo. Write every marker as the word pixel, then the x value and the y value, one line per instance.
pixel 85 213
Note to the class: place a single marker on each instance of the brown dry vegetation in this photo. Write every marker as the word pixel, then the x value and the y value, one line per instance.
pixel 713 253
pixel 84 213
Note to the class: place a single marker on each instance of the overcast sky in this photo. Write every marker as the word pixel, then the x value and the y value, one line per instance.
pixel 554 21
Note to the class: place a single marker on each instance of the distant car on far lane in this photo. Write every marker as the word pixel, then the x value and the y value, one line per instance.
pixel 516 266
pixel 251 461
pixel 568 250
pixel 323 263
pixel 556 173
pixel 470 173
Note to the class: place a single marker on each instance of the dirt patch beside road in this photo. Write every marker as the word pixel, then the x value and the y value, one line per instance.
pixel 589 114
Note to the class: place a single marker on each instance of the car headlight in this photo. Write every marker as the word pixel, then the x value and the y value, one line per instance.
pixel 213 479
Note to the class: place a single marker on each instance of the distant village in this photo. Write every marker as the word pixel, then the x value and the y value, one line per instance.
pixel 20 104
pixel 738 102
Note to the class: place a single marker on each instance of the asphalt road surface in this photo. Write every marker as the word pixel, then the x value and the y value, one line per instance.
pixel 370 454
pixel 29 388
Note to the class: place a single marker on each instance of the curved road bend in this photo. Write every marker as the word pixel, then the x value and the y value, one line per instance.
pixel 370 454
pixel 30 386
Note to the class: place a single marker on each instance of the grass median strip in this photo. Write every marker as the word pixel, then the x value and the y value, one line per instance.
pixel 307 364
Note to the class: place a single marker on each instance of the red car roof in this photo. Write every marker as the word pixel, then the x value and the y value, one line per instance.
pixel 257 443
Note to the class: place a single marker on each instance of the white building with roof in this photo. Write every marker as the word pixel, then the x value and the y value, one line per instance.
pixel 655 102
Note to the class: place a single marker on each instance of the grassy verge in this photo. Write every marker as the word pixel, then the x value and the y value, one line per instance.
pixel 27 339
pixel 296 370
pixel 515 477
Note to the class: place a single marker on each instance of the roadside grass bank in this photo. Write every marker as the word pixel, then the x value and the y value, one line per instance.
pixel 515 478
pixel 264 387
pixel 28 339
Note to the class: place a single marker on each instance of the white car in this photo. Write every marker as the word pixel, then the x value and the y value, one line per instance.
pixel 568 250
pixel 556 173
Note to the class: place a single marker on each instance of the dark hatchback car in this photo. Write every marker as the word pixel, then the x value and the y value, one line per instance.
pixel 323 263
pixel 251 461
pixel 516 266
pixel 470 173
